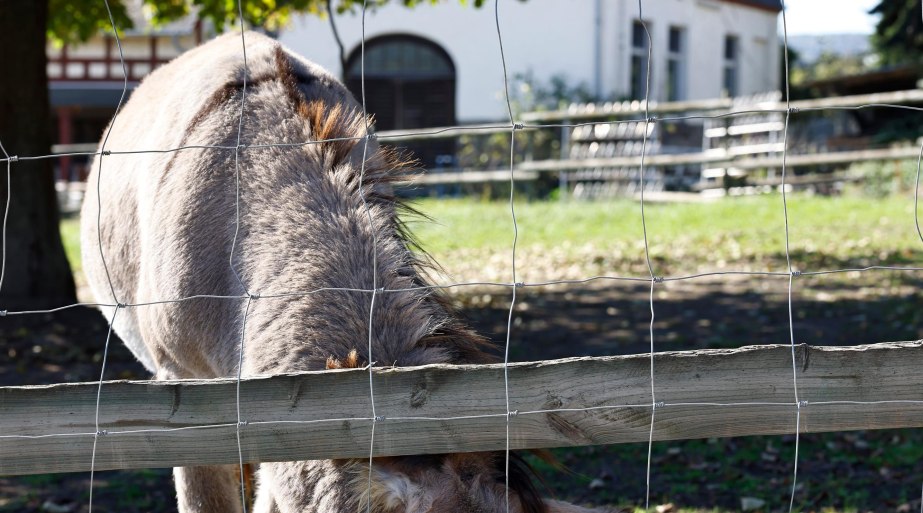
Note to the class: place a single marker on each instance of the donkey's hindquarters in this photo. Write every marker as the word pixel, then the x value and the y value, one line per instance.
pixel 281 171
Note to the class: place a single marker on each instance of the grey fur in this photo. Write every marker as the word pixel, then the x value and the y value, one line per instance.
pixel 167 223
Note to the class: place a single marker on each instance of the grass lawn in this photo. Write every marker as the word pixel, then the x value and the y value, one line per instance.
pixel 70 236
pixel 838 472
pixel 824 231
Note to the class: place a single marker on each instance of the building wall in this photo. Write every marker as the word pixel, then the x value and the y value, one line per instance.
pixel 551 37
pixel 134 47
pixel 707 22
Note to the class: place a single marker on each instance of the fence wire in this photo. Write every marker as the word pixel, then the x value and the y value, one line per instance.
pixel 247 298
pixel 509 319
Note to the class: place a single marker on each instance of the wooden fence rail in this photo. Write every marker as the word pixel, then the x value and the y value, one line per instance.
pixel 530 170
pixel 588 112
pixel 437 409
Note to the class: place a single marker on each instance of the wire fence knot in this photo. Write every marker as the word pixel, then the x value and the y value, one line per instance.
pixel 796 273
pixel 518 126
pixel 652 120
pixel 13 158
pixel 802 404
pixel 378 418
pixel 372 136
pixel 3 313
pixel 120 305
pixel 106 153
pixel 659 404
pixel 243 423
pixel 658 279
pixel 102 432
pixel 519 284
pixel 793 110
pixel 512 413
pixel 255 295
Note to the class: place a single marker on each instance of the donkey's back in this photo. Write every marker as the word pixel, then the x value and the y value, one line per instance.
pixel 168 216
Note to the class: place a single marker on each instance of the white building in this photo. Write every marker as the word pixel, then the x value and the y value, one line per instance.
pixel 440 65
pixel 85 81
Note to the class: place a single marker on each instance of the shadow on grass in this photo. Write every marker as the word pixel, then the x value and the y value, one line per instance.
pixel 871 471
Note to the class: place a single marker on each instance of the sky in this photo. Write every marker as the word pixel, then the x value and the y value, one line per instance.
pixel 829 16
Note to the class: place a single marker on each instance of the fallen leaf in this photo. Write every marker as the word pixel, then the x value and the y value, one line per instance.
pixel 751 503
pixel 52 507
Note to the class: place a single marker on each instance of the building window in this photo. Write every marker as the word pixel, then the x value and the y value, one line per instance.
pixel 402 56
pixel 731 65
pixel 640 45
pixel 676 65
pixel 410 82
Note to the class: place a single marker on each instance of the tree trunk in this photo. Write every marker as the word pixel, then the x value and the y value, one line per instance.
pixel 37 272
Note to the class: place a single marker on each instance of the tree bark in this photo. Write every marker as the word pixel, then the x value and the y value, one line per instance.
pixel 37 272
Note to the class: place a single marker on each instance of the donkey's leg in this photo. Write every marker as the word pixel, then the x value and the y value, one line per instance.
pixel 264 502
pixel 203 489
pixel 316 486
pixel 208 489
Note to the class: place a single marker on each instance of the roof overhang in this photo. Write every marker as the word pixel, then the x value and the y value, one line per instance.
pixel 84 93
pixel 774 6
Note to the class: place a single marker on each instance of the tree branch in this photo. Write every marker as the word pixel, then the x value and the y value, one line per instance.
pixel 336 36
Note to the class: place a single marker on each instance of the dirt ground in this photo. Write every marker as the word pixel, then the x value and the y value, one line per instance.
pixel 603 318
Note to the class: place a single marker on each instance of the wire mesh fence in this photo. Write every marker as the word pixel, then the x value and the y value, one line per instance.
pixel 798 403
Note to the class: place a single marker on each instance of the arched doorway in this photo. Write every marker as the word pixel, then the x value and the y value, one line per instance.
pixel 409 83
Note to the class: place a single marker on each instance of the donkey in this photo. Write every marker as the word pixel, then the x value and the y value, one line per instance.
pixel 167 226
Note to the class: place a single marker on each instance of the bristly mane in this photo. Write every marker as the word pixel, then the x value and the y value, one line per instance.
pixel 339 130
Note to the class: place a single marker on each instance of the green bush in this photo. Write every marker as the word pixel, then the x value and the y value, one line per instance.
pixel 884 178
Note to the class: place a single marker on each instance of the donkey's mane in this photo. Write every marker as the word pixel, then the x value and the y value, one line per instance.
pixel 334 127
pixel 339 130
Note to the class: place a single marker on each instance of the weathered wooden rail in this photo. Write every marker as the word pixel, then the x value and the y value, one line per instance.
pixel 436 409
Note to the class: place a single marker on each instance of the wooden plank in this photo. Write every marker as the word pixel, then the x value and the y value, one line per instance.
pixel 829 158
pixel 809 179
pixel 754 128
pixel 442 132
pixel 577 113
pixel 436 409
pixel 459 176
pixel 617 109
pixel 632 161
pixel 719 159
pixel 74 148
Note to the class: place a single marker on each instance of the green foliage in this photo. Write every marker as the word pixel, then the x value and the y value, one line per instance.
pixel 79 20
pixel 883 179
pixel 527 94
pixel 829 65
pixel 70 237
pixel 825 231
pixel 898 129
pixel 72 21
pixel 898 36
pixel 699 476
